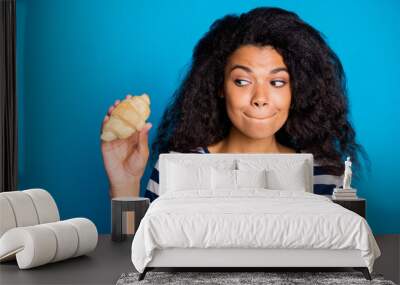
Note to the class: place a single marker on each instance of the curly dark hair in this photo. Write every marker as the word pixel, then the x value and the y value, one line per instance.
pixel 318 116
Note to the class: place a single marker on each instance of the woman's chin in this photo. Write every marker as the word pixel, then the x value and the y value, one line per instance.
pixel 257 133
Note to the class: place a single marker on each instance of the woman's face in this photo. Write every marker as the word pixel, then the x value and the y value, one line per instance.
pixel 257 91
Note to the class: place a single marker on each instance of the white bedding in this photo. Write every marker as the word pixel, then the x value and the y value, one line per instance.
pixel 250 218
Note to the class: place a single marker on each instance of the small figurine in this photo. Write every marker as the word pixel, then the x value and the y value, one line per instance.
pixel 347 174
pixel 345 193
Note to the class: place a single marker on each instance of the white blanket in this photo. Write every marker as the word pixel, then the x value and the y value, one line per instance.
pixel 251 218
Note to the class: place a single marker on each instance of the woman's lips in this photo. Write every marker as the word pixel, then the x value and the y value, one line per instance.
pixel 260 117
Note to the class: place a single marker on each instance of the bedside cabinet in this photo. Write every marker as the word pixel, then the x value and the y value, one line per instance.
pixel 357 205
pixel 122 210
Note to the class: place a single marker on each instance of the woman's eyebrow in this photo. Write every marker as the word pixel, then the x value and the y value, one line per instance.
pixel 248 69
pixel 278 69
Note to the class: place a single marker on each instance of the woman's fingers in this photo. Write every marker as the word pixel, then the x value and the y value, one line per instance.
pixel 106 118
pixel 110 109
pixel 144 139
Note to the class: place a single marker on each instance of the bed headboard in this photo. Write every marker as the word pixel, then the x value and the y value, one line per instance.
pixel 280 163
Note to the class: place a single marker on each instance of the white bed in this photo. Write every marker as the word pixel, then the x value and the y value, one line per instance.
pixel 215 211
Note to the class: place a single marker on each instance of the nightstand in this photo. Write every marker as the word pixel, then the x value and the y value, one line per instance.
pixel 358 205
pixel 126 213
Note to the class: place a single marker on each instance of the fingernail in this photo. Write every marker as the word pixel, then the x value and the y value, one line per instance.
pixel 148 128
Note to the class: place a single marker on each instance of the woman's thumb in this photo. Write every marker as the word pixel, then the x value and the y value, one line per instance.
pixel 144 138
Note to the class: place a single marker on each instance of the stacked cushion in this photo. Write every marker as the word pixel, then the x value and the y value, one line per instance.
pixel 31 230
pixel 26 208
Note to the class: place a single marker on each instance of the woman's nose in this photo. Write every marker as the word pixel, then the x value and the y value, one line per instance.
pixel 260 98
pixel 260 102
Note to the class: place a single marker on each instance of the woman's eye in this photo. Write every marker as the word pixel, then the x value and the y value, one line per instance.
pixel 241 82
pixel 278 83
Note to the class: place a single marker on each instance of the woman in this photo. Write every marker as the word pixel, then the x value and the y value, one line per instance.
pixel 264 82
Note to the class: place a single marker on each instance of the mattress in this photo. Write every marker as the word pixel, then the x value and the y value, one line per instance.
pixel 252 218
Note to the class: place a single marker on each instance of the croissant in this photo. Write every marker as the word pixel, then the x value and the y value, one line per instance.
pixel 128 117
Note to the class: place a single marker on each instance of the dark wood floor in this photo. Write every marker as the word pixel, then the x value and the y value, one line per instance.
pixel 389 262
pixel 110 260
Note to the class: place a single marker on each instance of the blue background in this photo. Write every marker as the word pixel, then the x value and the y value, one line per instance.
pixel 76 57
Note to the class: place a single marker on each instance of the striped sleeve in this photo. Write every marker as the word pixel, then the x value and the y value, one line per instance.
pixel 152 186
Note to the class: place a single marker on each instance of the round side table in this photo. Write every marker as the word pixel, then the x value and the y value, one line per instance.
pixel 122 209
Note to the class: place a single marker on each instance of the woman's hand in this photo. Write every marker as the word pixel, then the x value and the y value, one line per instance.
pixel 125 159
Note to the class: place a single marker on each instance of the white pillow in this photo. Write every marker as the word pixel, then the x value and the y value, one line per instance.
pixel 291 178
pixel 230 179
pixel 223 179
pixel 182 177
pixel 252 178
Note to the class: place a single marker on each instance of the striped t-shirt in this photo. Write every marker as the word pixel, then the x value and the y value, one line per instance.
pixel 323 182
